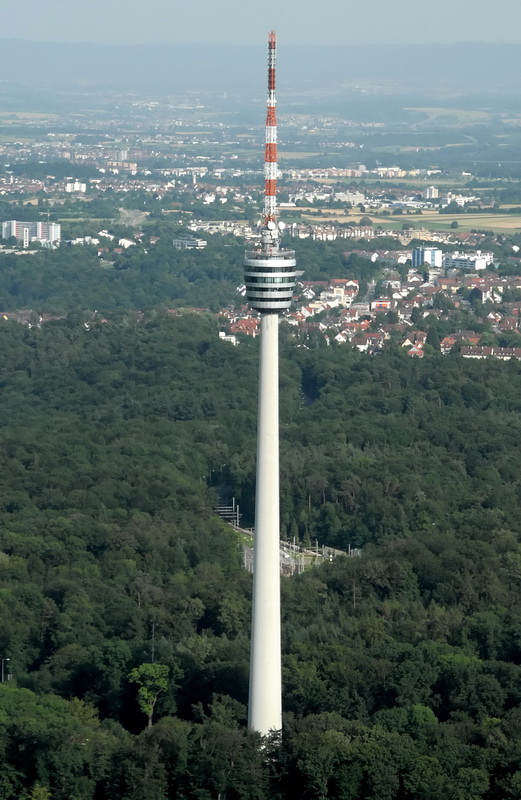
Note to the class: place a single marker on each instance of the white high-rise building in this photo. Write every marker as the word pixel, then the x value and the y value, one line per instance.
pixel 27 232
pixel 432 256
pixel 75 186
pixel 431 193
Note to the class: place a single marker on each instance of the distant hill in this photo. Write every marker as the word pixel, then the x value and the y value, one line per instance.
pixel 196 67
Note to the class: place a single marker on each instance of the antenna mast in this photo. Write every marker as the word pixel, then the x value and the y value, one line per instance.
pixel 269 270
pixel 270 152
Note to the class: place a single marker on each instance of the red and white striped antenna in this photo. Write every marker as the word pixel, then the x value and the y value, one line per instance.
pixel 270 153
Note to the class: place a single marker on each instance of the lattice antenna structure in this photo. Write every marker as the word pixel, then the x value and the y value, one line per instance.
pixel 270 151
pixel 269 271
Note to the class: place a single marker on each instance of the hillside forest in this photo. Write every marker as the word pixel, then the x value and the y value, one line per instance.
pixel 124 624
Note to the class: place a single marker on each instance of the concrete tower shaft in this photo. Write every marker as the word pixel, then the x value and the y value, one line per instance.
pixel 265 700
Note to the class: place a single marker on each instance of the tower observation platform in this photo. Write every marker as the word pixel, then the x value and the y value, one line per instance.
pixel 269 275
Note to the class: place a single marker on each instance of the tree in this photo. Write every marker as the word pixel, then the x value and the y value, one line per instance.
pixel 39 792
pixel 416 315
pixel 454 224
pixel 475 296
pixel 433 338
pixel 152 680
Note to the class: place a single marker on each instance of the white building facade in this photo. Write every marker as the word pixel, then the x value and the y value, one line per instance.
pixel 27 232
pixel 476 261
pixel 432 256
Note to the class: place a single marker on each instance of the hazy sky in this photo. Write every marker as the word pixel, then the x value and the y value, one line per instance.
pixel 245 21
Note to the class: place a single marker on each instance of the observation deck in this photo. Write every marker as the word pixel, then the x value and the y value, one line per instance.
pixel 269 275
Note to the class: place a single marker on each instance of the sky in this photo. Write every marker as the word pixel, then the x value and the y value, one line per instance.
pixel 298 22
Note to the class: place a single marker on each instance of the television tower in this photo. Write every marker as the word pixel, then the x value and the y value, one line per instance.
pixel 269 275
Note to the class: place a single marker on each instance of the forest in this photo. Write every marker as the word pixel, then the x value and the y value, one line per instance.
pixel 124 629
pixel 145 277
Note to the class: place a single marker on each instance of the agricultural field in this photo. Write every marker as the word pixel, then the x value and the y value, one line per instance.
pixel 450 117
pixel 16 116
pixel 442 181
pixel 286 155
pixel 499 223
pixel 433 220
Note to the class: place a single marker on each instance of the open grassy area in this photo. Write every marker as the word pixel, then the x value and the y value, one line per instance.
pixel 14 116
pixel 330 217
pixel 70 216
pixel 4 137
pixel 450 117
pixel 283 155
pixel 499 223
pixel 403 183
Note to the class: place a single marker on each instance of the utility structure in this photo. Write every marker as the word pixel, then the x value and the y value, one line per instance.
pixel 269 275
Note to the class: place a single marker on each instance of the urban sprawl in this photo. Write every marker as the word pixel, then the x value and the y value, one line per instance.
pixel 423 271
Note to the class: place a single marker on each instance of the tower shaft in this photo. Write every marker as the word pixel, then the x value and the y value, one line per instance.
pixel 265 702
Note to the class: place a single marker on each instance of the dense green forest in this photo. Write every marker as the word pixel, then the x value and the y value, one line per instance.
pixel 147 277
pixel 75 277
pixel 124 598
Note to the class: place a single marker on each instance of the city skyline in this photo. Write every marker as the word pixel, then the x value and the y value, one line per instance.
pixel 230 22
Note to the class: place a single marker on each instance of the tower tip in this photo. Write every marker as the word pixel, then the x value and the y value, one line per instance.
pixel 270 231
pixel 269 272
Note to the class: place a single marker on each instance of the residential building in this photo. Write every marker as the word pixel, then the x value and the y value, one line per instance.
pixel 381 305
pixel 432 256
pixel 355 198
pixel 189 243
pixel 27 232
pixel 75 186
pixel 431 193
pixel 477 260
pixel 503 353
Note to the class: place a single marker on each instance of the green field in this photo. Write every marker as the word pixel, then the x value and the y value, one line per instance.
pixel 403 183
pixel 450 117
pixel 499 223
pixel 432 220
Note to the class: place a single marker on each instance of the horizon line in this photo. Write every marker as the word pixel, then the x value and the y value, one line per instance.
pixel 300 45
